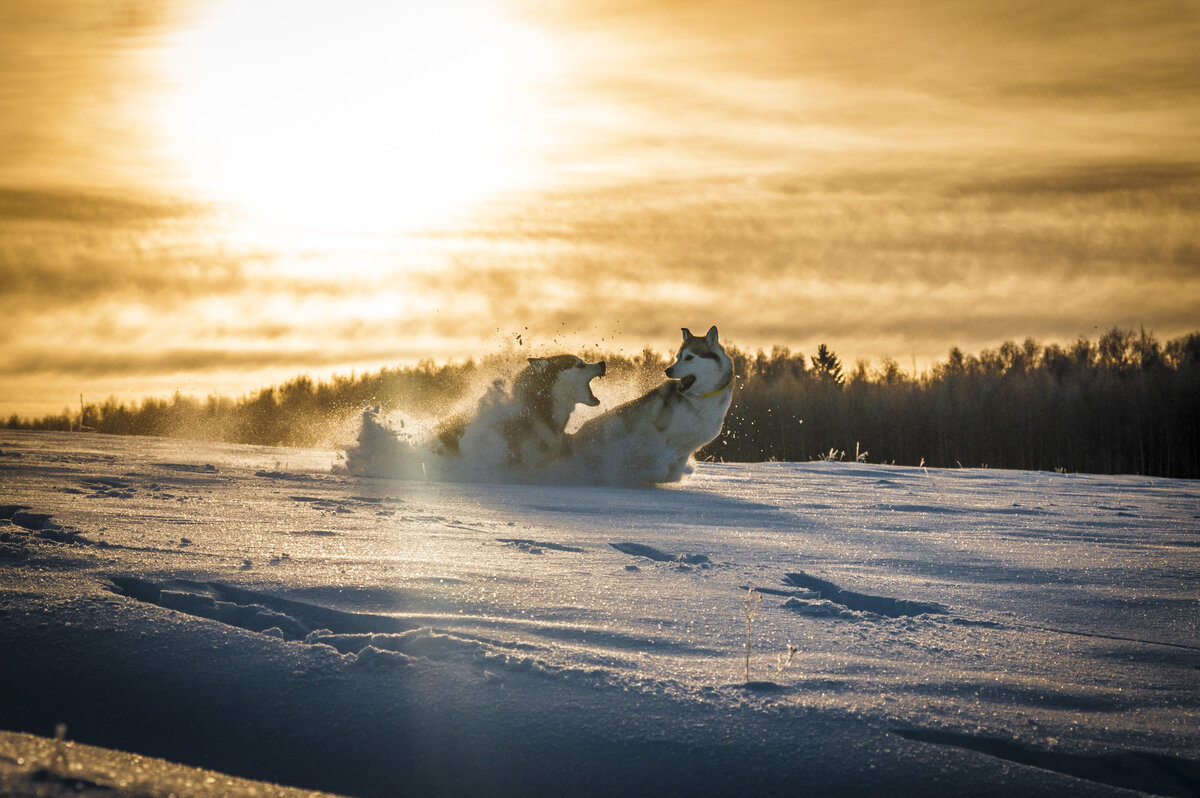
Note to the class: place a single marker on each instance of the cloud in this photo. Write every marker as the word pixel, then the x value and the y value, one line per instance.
pixel 1140 175
pixel 865 257
pixel 83 207
pixel 145 362
pixel 906 261
pixel 75 85
pixel 712 87
pixel 879 41
pixel 921 221
pixel 76 265
pixel 886 178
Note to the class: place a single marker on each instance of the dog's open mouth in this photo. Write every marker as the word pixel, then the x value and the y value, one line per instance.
pixel 687 382
pixel 592 401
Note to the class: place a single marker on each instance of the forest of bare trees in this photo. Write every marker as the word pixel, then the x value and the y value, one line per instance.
pixel 1121 404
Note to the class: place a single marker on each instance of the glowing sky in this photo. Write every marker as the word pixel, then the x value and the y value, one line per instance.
pixel 211 196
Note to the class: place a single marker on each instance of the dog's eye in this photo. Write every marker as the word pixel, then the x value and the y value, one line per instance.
pixel 689 357
pixel 578 365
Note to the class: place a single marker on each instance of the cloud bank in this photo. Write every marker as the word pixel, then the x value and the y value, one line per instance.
pixel 888 180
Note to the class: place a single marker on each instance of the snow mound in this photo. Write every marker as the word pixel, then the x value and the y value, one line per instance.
pixel 820 608
pixel 423 642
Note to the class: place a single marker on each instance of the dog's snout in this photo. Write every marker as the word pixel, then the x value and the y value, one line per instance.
pixel 603 368
pixel 669 372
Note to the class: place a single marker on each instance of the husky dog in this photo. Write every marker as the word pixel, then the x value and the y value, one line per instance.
pixel 532 419
pixel 668 424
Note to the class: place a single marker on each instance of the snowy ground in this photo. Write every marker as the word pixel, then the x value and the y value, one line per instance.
pixel 245 609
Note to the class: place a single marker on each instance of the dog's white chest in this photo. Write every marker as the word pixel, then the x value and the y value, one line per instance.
pixel 695 423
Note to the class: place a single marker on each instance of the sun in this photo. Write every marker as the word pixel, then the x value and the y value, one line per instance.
pixel 364 116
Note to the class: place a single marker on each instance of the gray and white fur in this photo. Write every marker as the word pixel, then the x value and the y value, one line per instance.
pixel 662 429
pixel 531 419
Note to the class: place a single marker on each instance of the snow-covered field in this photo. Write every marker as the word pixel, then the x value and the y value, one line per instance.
pixel 920 632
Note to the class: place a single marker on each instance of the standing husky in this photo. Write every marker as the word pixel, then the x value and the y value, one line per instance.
pixel 653 436
pixel 531 421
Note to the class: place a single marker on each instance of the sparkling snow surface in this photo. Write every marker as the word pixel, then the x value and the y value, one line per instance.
pixel 1012 626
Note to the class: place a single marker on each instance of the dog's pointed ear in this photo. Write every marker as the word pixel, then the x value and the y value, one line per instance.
pixel 538 363
pixel 687 335
pixel 711 337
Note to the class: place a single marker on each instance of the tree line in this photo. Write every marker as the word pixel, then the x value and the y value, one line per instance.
pixel 1123 403
pixel 1120 404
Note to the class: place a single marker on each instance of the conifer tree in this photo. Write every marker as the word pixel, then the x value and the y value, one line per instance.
pixel 828 366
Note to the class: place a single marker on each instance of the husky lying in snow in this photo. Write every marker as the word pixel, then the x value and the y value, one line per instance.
pixel 668 424
pixel 532 419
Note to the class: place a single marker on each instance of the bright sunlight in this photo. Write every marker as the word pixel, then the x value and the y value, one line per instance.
pixel 360 116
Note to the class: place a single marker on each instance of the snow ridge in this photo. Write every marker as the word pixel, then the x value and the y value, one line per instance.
pixel 863 602
pixel 1157 774
pixel 363 639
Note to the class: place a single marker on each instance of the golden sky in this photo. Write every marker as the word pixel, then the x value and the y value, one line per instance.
pixel 212 196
